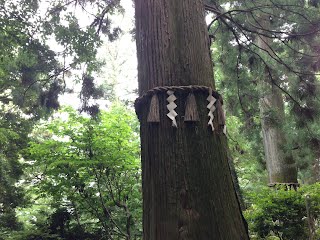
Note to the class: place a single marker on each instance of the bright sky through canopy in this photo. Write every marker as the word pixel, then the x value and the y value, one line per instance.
pixel 120 67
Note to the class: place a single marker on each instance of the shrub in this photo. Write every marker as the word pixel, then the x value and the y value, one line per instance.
pixel 282 214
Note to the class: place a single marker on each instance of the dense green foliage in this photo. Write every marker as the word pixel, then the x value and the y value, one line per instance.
pixel 282 213
pixel 42 46
pixel 86 173
pixel 290 64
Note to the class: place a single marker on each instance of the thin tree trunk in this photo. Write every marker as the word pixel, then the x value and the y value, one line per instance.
pixel 310 218
pixel 187 186
pixel 76 214
pixel 280 163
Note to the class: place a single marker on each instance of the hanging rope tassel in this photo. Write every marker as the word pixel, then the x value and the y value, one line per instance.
pixel 211 108
pixel 154 115
pixel 191 112
pixel 171 106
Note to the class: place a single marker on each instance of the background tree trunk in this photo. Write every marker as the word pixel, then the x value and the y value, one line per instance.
pixel 280 163
pixel 316 169
pixel 187 187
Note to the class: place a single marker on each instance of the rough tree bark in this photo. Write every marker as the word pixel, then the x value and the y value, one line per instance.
pixel 280 163
pixel 187 187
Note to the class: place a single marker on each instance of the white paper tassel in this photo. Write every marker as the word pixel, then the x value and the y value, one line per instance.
pixel 171 106
pixel 211 108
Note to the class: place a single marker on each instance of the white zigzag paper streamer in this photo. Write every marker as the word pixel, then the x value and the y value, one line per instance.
pixel 211 108
pixel 171 106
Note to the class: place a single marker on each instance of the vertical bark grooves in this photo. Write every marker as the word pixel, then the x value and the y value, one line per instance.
pixel 173 38
pixel 280 162
pixel 187 187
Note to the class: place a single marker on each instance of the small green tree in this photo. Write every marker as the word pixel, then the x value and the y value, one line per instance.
pixel 33 72
pixel 89 169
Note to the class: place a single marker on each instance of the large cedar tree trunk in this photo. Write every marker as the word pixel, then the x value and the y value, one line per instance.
pixel 187 187
pixel 279 160
pixel 280 163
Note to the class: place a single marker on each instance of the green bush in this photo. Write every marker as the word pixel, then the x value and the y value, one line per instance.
pixel 281 214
